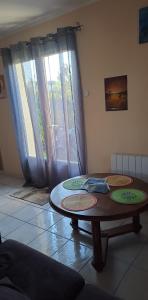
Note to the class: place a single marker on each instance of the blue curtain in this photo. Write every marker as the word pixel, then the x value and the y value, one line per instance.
pixel 44 87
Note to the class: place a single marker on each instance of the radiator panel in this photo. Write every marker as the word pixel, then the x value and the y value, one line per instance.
pixel 130 164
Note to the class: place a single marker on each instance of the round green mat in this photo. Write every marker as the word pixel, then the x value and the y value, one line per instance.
pixel 74 183
pixel 128 196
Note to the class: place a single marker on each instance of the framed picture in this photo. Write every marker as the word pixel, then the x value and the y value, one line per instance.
pixel 2 87
pixel 116 93
pixel 143 25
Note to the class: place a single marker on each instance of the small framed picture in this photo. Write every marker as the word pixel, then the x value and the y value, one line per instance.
pixel 116 93
pixel 143 25
pixel 2 87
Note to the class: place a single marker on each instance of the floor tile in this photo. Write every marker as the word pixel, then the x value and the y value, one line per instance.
pixel 73 254
pixel 109 278
pixel 2 216
pixel 25 233
pixel 11 207
pixel 45 219
pixel 48 243
pixel 4 200
pixel 48 206
pixel 81 236
pixel 126 270
pixel 4 190
pixel 27 213
pixel 64 229
pixel 134 285
pixel 126 247
pixel 141 261
pixel 9 224
pixel 3 239
pixel 8 189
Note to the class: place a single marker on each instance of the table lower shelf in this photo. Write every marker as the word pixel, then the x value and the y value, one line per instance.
pixel 100 238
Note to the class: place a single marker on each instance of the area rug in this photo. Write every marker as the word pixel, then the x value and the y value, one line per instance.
pixel 34 195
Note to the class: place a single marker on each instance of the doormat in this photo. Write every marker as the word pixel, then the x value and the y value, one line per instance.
pixel 34 195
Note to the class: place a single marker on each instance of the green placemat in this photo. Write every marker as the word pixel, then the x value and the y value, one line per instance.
pixel 74 183
pixel 128 196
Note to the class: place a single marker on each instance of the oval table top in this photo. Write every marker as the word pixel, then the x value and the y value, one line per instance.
pixel 105 209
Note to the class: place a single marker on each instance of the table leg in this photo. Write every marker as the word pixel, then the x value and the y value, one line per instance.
pixel 74 224
pixel 136 223
pixel 97 246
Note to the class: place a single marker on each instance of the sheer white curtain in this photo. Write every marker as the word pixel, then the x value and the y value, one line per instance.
pixel 45 92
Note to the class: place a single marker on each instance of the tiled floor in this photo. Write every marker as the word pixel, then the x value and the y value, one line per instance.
pixel 126 271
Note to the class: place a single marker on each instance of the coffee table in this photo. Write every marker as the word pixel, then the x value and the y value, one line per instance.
pixel 105 210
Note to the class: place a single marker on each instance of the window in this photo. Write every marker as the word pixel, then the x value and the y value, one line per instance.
pixel 60 99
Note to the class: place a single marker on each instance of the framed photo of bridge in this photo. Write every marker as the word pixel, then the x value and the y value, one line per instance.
pixel 116 93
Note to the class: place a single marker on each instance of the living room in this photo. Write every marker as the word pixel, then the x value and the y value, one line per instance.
pixel 108 46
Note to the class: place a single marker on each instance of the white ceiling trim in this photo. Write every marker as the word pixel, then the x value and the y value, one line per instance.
pixel 40 19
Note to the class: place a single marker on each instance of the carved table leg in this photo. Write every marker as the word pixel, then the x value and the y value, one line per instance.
pixel 97 246
pixel 136 223
pixel 74 224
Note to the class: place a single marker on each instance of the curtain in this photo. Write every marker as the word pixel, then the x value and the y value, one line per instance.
pixel 44 86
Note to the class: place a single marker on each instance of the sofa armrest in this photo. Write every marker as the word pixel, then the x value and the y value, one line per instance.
pixel 39 276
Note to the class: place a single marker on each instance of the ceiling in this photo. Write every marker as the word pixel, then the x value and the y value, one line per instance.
pixel 16 14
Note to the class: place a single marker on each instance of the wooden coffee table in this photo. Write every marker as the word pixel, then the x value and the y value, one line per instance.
pixel 105 210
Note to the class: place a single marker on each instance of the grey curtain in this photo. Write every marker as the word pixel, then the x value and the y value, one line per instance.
pixel 44 85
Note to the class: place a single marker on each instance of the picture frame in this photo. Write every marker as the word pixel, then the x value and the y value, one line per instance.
pixel 143 25
pixel 2 87
pixel 116 93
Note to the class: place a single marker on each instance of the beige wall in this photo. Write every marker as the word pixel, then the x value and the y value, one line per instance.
pixel 108 46
pixel 8 148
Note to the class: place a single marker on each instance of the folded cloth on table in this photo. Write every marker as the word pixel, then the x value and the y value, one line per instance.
pixel 96 185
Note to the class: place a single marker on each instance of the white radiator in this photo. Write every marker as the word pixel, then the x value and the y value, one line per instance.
pixel 130 164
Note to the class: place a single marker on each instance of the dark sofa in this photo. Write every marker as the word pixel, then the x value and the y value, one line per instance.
pixel 26 274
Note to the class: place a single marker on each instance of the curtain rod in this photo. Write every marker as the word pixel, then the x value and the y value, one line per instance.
pixel 78 27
